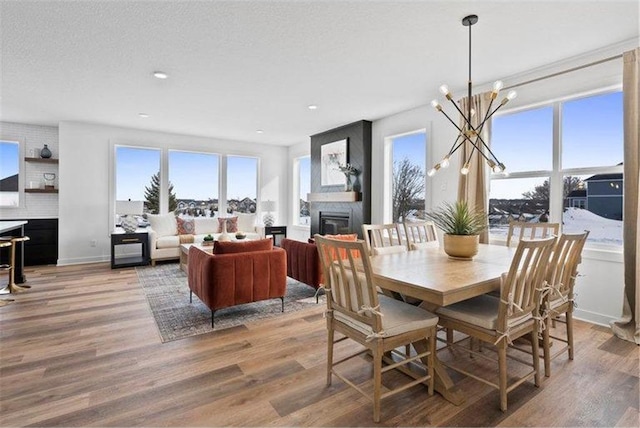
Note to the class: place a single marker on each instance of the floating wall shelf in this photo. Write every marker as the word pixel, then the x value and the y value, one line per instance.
pixel 41 160
pixel 41 190
pixel 334 197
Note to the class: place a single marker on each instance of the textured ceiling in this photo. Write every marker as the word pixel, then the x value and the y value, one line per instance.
pixel 236 67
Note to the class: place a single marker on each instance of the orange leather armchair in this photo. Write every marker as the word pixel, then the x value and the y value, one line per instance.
pixel 235 278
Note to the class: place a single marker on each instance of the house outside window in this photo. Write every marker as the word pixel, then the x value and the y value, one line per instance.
pixel 194 183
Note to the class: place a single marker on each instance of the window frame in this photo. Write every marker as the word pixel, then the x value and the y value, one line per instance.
pixel 21 174
pixel 556 174
pixel 295 209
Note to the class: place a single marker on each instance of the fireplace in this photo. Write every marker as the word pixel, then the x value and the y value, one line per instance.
pixel 335 223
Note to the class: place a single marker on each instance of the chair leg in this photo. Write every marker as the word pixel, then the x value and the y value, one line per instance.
pixel 569 318
pixel 431 360
pixel 212 312
pixel 330 334
pixel 282 300
pixel 535 348
pixel 449 336
pixel 502 368
pixel 190 296
pixel 377 380
pixel 546 351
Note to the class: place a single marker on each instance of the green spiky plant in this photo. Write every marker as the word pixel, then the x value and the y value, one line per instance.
pixel 458 219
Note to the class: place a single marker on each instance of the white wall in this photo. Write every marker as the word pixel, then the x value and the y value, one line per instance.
pixel 86 170
pixel 32 205
pixel 294 231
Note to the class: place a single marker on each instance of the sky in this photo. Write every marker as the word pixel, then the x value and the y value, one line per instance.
pixel 592 135
pixel 193 175
pixel 8 159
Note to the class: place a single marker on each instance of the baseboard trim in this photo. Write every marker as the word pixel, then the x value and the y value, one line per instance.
pixel 83 260
pixel 593 317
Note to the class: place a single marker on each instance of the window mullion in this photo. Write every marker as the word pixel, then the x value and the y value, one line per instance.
pixel 556 181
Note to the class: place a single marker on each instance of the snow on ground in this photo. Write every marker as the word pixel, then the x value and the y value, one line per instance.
pixel 601 230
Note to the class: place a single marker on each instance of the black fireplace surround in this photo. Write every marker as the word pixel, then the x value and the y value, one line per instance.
pixel 335 223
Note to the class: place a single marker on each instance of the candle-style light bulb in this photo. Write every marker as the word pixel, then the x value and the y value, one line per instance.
pixel 435 104
pixel 445 162
pixel 511 95
pixel 465 169
pixel 497 85
pixel 444 89
pixel 431 172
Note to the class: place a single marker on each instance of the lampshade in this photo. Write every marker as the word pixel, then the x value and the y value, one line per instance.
pixel 129 207
pixel 268 206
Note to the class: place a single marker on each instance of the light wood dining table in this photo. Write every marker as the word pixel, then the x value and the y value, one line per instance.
pixel 438 280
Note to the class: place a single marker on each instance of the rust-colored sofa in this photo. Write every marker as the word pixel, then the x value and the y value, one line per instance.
pixel 237 273
pixel 303 262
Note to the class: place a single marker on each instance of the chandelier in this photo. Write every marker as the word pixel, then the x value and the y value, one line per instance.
pixel 468 132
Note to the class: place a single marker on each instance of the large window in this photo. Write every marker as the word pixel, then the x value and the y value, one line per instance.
pixel 565 165
pixel 408 154
pixel 302 174
pixel 9 173
pixel 242 184
pixel 138 177
pixel 194 183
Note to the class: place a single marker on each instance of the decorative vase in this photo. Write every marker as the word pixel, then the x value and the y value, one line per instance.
pixel 357 186
pixel 45 153
pixel 349 186
pixel 461 246
pixel 224 236
pixel 129 223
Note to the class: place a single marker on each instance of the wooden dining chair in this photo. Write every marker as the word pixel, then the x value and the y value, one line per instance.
pixel 381 324
pixel 383 239
pixel 558 298
pixel 521 229
pixel 499 321
pixel 420 234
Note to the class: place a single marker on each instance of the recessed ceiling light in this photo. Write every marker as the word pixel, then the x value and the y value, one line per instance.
pixel 160 74
pixel 143 115
pixel 259 131
pixel 312 107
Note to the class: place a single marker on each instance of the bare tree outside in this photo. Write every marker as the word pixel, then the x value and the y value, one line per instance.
pixel 541 193
pixel 408 188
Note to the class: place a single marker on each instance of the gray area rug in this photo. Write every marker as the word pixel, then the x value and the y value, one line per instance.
pixel 165 287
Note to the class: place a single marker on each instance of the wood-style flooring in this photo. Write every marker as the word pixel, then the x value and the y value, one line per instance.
pixel 80 348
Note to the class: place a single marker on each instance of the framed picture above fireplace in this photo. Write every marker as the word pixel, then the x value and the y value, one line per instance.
pixel 332 155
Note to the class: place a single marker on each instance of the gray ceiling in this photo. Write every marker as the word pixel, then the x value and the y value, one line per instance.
pixel 239 66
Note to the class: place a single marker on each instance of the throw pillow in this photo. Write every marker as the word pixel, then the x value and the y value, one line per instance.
pixel 345 237
pixel 186 226
pixel 246 222
pixel 231 247
pixel 232 224
pixel 163 224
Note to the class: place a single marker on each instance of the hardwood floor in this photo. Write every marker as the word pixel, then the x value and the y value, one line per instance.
pixel 80 348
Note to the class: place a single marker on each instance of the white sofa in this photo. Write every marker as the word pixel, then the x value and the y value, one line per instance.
pixel 164 240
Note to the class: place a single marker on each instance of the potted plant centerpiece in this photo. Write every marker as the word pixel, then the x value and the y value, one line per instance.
pixel 461 225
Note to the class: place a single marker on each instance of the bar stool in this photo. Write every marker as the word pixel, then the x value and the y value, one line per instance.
pixel 6 268
pixel 12 287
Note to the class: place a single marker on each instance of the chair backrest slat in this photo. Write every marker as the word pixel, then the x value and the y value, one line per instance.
pixel 524 230
pixel 523 283
pixel 419 234
pixel 381 236
pixel 563 269
pixel 349 279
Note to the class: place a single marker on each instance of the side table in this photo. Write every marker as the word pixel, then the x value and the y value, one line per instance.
pixel 278 232
pixel 127 239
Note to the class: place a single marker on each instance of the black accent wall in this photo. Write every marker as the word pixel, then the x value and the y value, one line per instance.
pixel 358 135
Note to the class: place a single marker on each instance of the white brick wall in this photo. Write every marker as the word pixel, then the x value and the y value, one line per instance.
pixel 33 205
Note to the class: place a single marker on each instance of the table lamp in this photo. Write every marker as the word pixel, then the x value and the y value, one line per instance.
pixel 127 210
pixel 268 218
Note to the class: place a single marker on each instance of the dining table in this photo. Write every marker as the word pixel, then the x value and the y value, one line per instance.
pixel 439 280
